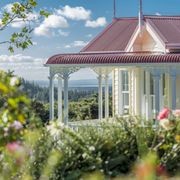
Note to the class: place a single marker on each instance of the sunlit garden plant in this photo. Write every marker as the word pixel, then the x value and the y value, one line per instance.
pixel 14 109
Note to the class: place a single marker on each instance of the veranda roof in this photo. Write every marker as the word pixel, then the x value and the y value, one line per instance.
pixel 113 58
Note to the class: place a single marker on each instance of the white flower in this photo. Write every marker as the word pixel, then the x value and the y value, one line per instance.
pixel 165 123
pixel 17 125
pixel 92 148
pixel 175 146
pixel 84 155
pixel 5 117
pixel 176 113
pixel 14 81
pixel 54 129
pixel 1 23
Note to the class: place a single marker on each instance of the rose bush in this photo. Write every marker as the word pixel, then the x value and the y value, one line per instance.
pixel 168 144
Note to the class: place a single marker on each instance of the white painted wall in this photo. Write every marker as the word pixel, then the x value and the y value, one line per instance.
pixel 116 91
pixel 178 92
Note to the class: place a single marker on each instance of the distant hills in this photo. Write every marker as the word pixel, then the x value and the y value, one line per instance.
pixel 73 83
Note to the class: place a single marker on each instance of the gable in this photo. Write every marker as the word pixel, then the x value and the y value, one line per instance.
pixel 147 41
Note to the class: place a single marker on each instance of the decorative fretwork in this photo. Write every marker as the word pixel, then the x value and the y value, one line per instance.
pixel 103 70
pixel 63 71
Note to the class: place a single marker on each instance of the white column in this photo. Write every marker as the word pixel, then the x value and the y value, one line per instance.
pixel 148 98
pixel 51 97
pixel 161 91
pixel 106 96
pixel 173 87
pixel 66 111
pixel 142 106
pixel 169 91
pixel 59 98
pixel 131 93
pixel 156 78
pixel 138 91
pixel 100 104
pixel 121 110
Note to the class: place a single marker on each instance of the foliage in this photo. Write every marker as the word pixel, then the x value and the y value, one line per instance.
pixel 83 103
pixel 35 92
pixel 41 110
pixel 14 111
pixel 100 151
pixel 41 93
pixel 20 12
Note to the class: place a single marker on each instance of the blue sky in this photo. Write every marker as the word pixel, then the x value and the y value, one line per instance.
pixel 72 25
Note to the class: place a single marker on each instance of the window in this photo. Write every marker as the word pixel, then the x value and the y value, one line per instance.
pixel 125 81
pixel 125 89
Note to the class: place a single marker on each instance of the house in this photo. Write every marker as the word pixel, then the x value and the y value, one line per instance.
pixel 143 55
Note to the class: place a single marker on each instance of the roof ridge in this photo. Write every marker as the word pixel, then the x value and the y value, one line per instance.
pixel 162 16
pixel 149 17
pixel 126 18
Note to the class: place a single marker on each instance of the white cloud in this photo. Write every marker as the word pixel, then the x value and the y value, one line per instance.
pixel 79 43
pixel 157 14
pixel 55 21
pixel 68 46
pixel 8 7
pixel 35 43
pixel 42 30
pixel 52 22
pixel 99 22
pixel 63 33
pixel 29 67
pixel 76 44
pixel 19 58
pixel 0 23
pixel 89 35
pixel 75 13
pixel 18 23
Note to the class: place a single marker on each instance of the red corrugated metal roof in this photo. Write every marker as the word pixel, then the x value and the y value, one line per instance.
pixel 168 28
pixel 117 35
pixel 113 58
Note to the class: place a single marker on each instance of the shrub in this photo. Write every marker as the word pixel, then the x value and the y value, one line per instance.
pixel 14 109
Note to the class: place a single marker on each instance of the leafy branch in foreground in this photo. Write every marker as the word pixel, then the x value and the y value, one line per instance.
pixel 21 12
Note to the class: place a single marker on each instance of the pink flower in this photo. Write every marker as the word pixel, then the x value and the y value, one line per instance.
pixel 164 114
pixel 13 147
pixel 17 125
pixel 176 113
pixel 17 151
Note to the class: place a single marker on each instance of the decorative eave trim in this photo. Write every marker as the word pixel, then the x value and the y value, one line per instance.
pixel 132 39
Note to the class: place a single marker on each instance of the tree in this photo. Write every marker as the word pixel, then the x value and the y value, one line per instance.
pixel 21 12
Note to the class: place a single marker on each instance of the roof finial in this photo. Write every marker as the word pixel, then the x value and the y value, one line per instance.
pixel 141 23
pixel 114 9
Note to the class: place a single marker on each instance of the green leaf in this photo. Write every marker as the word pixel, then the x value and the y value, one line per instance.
pixel 44 13
pixel 11 49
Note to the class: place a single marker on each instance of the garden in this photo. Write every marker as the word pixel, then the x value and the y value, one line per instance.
pixel 124 149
